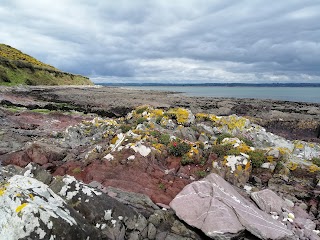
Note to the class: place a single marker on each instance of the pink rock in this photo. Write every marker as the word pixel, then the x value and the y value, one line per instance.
pixel 216 208
pixel 268 201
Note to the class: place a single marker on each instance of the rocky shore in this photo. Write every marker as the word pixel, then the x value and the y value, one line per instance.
pixel 111 163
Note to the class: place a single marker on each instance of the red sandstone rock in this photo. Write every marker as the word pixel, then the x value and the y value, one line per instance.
pixel 140 175
pixel 19 158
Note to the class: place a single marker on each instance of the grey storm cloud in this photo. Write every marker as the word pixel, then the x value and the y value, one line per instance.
pixel 162 40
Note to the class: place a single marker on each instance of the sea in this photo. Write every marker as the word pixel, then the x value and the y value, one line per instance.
pixel 295 94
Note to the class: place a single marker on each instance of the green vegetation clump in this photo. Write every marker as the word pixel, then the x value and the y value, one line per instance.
pixel 221 150
pixel 223 136
pixel 141 120
pixel 41 110
pixel 76 170
pixel 178 149
pixel 186 160
pixel 257 157
pixel 234 151
pixel 141 110
pixel 158 120
pixel 247 141
pixel 316 161
pixel 162 186
pixel 201 173
pixel 164 139
pixel 125 128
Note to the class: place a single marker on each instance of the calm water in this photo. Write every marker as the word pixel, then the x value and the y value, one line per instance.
pixel 297 94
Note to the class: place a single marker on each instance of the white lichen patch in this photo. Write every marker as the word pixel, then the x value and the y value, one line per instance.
pixel 109 157
pixel 113 222
pixel 233 161
pixel 108 215
pixel 73 187
pixel 120 138
pixel 29 168
pixel 28 202
pixel 142 149
pixel 132 157
pixel 103 226
pixel 247 188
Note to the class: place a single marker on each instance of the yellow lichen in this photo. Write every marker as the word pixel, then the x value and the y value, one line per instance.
pixel 270 158
pixel 181 114
pixel 233 122
pixel 239 168
pixel 31 196
pixel 247 166
pixel 114 140
pixel 213 117
pixel 158 146
pixel 314 168
pixel 244 148
pixel 156 113
pixel 299 145
pixel 283 151
pixel 292 166
pixel 19 208
pixel 202 115
pixel 194 150
pixel 2 191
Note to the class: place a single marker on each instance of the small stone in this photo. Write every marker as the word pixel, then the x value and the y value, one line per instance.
pixel 134 236
pixel 266 165
pixel 303 206
pixel 274 153
pixel 289 203
pixel 291 216
pixel 152 231
pixel 257 180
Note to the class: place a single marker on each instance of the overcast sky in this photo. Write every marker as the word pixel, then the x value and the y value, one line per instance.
pixel 170 40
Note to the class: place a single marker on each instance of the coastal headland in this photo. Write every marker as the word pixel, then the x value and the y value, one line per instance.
pixel 117 163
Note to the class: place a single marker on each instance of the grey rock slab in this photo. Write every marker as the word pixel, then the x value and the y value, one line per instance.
pixel 216 208
pixel 268 201
pixel 140 202
pixel 35 171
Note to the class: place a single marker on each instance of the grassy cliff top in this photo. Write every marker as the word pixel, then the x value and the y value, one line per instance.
pixel 18 68
pixel 11 53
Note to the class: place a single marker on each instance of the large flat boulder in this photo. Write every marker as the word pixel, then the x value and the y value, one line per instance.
pixel 216 208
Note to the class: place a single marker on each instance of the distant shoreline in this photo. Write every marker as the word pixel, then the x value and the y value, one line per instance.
pixel 214 84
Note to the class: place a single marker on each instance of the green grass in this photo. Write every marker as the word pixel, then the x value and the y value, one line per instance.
pixel 41 110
